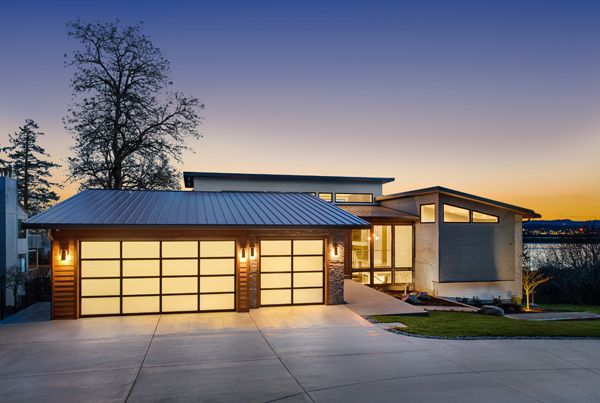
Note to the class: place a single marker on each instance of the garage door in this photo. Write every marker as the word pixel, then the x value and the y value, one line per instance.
pixel 291 272
pixel 130 277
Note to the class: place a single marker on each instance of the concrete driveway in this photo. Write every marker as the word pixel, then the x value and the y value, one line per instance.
pixel 313 353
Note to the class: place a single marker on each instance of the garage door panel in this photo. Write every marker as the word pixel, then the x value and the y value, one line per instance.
pixel 308 279
pixel 275 280
pixel 217 284
pixel 179 303
pixel 275 297
pixel 217 266
pixel 141 250
pixel 217 302
pixel 179 267
pixel 217 249
pixel 179 285
pixel 308 296
pixel 139 286
pixel 275 248
pixel 308 263
pixel 100 287
pixel 138 268
pixel 141 304
pixel 100 250
pixel 308 247
pixel 100 268
pixel 100 306
pixel 179 249
pixel 274 264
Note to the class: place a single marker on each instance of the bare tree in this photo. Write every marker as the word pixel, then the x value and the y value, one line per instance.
pixel 15 280
pixel 124 120
pixel 531 280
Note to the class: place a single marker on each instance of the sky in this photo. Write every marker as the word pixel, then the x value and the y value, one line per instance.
pixel 499 99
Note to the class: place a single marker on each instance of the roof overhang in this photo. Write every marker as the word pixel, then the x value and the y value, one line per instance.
pixel 188 177
pixel 526 213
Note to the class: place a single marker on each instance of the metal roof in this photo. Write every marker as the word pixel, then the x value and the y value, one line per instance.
pixel 249 209
pixel 527 213
pixel 375 211
pixel 189 181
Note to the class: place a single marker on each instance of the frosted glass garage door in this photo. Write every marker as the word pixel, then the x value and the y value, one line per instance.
pixel 135 277
pixel 292 272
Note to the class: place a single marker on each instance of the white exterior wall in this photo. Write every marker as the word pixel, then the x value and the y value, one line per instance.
pixel 271 185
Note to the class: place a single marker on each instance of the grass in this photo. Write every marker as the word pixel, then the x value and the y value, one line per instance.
pixel 463 324
pixel 571 308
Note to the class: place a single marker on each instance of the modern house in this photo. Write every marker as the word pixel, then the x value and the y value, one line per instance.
pixel 242 241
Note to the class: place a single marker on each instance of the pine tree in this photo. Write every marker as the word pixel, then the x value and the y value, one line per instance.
pixel 31 169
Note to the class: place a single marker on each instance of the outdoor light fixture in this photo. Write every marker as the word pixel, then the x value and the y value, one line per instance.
pixel 336 251
pixel 63 254
pixel 253 252
pixel 242 254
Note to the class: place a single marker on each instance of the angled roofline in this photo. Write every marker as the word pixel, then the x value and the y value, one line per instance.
pixel 527 213
pixel 189 182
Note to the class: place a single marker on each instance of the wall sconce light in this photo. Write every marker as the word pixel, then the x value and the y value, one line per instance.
pixel 253 252
pixel 64 251
pixel 336 251
pixel 242 254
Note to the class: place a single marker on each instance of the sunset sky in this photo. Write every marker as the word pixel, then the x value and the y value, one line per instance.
pixel 500 99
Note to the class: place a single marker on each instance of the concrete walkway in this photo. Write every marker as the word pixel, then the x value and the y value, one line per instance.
pixel 38 312
pixel 289 354
pixel 366 301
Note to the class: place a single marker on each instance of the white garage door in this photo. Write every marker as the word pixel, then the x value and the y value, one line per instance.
pixel 291 272
pixel 129 277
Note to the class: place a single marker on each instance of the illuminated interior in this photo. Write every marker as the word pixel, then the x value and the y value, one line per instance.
pixel 455 214
pixel 388 247
pixel 353 198
pixel 152 276
pixel 292 272
pixel 482 217
pixel 328 197
pixel 427 213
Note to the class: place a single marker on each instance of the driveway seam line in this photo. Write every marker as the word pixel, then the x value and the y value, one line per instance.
pixel 137 375
pixel 280 360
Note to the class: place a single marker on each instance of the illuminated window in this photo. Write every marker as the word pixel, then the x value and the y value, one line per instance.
pixel 363 277
pixel 482 217
pixel 328 197
pixel 382 277
pixel 455 214
pixel 427 213
pixel 403 246
pixel 360 249
pixel 353 198
pixel 403 277
pixel 382 245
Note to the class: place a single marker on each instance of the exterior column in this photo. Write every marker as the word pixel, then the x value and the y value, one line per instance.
pixel 65 284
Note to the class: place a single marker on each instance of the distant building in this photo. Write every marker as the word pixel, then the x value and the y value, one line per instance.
pixel 13 238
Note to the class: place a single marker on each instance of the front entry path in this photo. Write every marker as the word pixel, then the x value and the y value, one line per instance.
pixel 367 301
pixel 291 354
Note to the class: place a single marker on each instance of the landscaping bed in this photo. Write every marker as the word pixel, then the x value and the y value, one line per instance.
pixel 473 325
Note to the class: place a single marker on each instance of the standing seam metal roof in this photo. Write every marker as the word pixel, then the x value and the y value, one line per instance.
pixel 127 207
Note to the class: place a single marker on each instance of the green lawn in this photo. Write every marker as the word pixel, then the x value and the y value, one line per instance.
pixel 456 324
pixel 571 308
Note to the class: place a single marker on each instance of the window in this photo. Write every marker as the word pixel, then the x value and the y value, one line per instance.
pixel 382 245
pixel 328 197
pixel 427 213
pixel 363 277
pixel 360 249
pixel 482 217
pixel 382 277
pixel 455 214
pixel 403 246
pixel 353 198
pixel 22 231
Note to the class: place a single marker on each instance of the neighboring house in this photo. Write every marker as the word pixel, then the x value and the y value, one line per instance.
pixel 13 237
pixel 241 241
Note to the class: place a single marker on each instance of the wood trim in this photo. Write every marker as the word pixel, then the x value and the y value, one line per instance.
pixel 243 268
pixel 65 292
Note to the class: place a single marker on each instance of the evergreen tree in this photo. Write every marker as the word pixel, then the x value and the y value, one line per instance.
pixel 31 169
